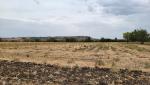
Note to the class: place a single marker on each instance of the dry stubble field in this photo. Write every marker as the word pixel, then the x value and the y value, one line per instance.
pixel 111 55
pixel 60 54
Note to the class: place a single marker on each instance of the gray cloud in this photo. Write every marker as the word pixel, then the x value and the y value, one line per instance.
pixel 120 7
pixel 15 28
pixel 96 18
pixel 37 2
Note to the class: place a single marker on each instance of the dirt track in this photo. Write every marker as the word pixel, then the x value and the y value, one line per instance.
pixel 12 73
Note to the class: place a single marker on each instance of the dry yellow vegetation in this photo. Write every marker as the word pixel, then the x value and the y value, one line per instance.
pixel 111 55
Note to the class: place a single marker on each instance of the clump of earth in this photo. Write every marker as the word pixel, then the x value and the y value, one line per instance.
pixel 25 73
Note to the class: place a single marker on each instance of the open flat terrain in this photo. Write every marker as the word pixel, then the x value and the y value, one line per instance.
pixel 110 55
pixel 49 63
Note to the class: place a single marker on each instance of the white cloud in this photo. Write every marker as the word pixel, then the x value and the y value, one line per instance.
pixel 97 18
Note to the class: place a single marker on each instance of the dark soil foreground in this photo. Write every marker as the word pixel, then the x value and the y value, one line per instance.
pixel 19 73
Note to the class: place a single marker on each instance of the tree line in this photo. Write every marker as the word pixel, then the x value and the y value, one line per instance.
pixel 68 39
pixel 138 35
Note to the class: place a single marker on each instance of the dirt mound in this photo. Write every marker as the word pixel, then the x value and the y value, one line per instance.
pixel 38 74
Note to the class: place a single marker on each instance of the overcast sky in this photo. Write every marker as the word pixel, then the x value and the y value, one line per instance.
pixel 96 18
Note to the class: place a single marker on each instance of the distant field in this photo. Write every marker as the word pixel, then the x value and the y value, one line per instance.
pixel 110 55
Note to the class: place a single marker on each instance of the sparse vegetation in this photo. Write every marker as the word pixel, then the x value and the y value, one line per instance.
pixel 113 48
pixel 86 57
pixel 147 65
pixel 113 64
pixel 89 54
pixel 99 62
pixel 71 61
pixel 16 59
pixel 136 47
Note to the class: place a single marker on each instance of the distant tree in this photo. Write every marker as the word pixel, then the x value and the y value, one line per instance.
pixel 88 39
pixel 106 40
pixel 149 37
pixel 140 35
pixel 126 36
pixel 70 39
pixel 102 39
pixel 132 37
pixel 36 40
pixel 51 40
pixel 26 39
pixel 116 39
pixel 0 39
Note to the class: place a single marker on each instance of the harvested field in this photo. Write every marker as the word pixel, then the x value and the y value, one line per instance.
pixel 110 55
pixel 19 73
pixel 38 63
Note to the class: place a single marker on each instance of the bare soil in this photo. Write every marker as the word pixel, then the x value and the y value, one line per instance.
pixel 19 73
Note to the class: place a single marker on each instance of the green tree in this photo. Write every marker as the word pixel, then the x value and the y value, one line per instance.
pixel 126 36
pixel 149 38
pixel 140 35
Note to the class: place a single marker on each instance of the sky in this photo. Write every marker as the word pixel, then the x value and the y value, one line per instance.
pixel 95 18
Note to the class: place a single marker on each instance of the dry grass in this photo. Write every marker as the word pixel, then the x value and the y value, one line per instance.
pixel 116 55
pixel 147 65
